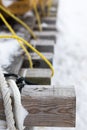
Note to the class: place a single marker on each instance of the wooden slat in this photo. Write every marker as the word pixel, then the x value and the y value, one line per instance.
pixel 47 35
pixel 53 9
pixel 55 3
pixel 49 20
pixel 49 106
pixel 43 45
pixel 46 47
pixel 52 13
pixel 22 32
pixel 48 27
pixel 37 61
pixel 37 76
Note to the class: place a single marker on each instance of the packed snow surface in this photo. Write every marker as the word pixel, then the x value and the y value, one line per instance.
pixel 71 56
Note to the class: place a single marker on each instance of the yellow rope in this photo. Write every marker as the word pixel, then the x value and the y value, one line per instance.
pixel 38 17
pixel 21 44
pixel 18 20
pixel 20 40
pixel 32 48
pixel 49 6
pixel 42 7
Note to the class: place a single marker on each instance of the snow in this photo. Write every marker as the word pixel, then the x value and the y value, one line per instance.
pixel 43 25
pixel 71 56
pixel 29 13
pixel 7 3
pixel 8 49
pixel 3 125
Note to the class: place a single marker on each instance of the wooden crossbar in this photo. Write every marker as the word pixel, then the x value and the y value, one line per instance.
pixel 48 27
pixel 37 76
pixel 46 35
pixel 47 106
pixel 37 61
pixel 43 45
pixel 50 20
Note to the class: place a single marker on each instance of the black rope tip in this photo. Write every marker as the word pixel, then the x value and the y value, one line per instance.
pixel 20 81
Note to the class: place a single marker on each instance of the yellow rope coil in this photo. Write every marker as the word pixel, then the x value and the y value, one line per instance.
pixel 20 7
pixel 21 40
pixel 32 48
pixel 18 20
pixel 21 44
pixel 38 17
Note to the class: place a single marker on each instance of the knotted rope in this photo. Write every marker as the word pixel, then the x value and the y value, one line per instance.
pixel 12 115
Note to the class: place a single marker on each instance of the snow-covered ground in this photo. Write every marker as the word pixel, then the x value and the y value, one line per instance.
pixel 71 55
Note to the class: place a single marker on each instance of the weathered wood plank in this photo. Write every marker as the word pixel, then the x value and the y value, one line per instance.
pixel 47 55
pixel 49 106
pixel 52 13
pixel 37 76
pixel 47 35
pixel 43 45
pixel 22 32
pixel 37 61
pixel 49 20
pixel 47 27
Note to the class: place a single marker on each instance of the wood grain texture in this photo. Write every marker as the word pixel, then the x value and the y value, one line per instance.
pixel 49 106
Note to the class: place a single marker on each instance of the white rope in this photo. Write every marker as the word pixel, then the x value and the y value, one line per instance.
pixel 18 109
pixel 7 102
pixel 7 90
